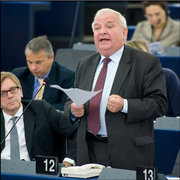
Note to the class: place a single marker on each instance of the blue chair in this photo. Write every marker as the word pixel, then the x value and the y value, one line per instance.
pixel 131 30
pixel 173 92
pixel 174 10
pixel 171 62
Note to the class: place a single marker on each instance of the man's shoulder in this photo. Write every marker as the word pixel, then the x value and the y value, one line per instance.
pixel 58 68
pixel 139 55
pixel 36 105
pixel 89 58
pixel 20 71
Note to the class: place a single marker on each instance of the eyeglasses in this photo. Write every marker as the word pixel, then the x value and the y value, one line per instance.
pixel 13 90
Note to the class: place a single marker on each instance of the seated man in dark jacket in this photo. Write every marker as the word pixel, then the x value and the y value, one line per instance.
pixel 36 128
pixel 40 64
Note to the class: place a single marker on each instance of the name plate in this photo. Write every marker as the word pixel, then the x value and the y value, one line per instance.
pixel 47 165
pixel 146 173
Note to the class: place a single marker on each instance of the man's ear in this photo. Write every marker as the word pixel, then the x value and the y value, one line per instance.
pixel 52 57
pixel 125 32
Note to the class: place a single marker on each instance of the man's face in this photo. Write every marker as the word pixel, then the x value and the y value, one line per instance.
pixel 39 64
pixel 12 102
pixel 109 35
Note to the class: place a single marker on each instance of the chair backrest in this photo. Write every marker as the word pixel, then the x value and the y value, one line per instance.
pixel 173 92
pixel 131 30
pixel 171 62
pixel 84 46
pixel 173 51
pixel 71 57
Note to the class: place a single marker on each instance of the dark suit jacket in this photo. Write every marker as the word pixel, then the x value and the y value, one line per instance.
pixel 59 75
pixel 41 123
pixel 139 79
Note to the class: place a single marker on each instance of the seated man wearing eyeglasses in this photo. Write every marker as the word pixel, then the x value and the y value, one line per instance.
pixel 35 127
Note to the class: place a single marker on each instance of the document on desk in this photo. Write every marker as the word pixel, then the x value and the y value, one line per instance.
pixel 78 96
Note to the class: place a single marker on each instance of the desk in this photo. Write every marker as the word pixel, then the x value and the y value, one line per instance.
pixel 11 176
pixel 167 143
pixel 26 170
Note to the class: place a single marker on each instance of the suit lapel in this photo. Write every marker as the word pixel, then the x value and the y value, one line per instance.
pixel 91 70
pixel 2 131
pixel 29 120
pixel 122 71
pixel 28 86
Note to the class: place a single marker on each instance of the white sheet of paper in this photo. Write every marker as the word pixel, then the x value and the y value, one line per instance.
pixel 78 96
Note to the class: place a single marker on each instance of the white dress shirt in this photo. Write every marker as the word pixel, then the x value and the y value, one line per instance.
pixel 111 72
pixel 5 154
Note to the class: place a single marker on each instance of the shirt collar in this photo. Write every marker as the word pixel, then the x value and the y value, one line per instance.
pixel 114 57
pixel 7 117
pixel 46 75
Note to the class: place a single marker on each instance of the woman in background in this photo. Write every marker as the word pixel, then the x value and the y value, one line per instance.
pixel 159 28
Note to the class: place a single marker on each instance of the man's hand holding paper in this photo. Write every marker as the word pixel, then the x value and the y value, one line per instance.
pixel 77 110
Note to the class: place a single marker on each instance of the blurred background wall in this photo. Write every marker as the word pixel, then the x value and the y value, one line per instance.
pixel 64 22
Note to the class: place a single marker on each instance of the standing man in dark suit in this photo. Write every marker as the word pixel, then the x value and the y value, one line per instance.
pixel 134 95
pixel 40 60
pixel 36 128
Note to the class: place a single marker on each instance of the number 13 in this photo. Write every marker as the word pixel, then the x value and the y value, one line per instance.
pixel 148 174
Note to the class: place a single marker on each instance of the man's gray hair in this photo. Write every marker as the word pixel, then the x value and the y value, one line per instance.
pixel 38 44
pixel 122 20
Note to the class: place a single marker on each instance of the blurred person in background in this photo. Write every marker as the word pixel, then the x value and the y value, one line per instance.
pixel 159 31
pixel 40 64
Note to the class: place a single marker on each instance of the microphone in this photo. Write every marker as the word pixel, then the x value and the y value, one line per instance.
pixel 158 22
pixel 43 84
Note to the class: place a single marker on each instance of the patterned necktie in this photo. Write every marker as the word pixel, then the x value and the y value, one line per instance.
pixel 40 93
pixel 94 105
pixel 14 143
